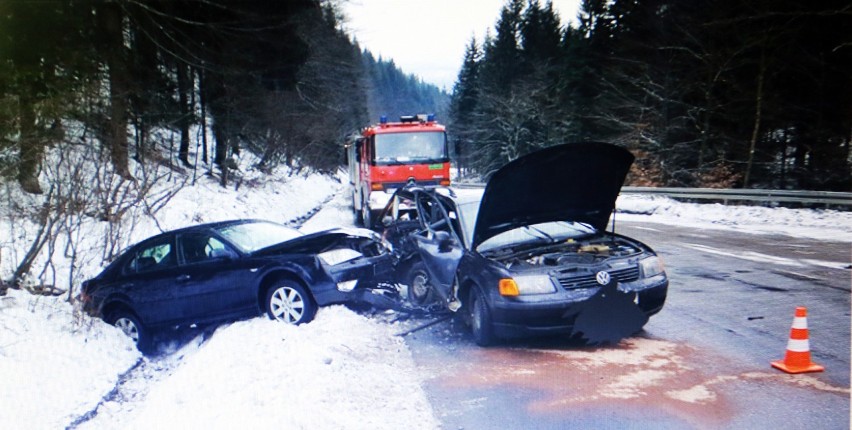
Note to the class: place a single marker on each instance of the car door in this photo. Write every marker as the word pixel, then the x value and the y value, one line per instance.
pixel 439 244
pixel 148 281
pixel 214 280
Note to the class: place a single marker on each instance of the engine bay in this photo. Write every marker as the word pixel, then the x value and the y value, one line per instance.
pixel 588 251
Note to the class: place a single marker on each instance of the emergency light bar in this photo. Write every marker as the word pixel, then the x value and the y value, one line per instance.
pixel 419 117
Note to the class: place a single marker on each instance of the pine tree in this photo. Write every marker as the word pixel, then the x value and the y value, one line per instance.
pixel 463 105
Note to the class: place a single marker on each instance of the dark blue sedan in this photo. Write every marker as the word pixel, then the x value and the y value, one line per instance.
pixel 234 269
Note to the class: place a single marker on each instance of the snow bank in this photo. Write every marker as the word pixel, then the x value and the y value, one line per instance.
pixel 340 371
pixel 55 364
pixel 822 224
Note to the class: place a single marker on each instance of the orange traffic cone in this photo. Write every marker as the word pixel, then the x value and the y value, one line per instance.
pixel 798 357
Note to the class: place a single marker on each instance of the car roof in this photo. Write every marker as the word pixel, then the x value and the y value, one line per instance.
pixel 205 226
pixel 190 229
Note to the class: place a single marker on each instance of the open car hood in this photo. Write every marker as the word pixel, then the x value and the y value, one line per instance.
pixel 572 182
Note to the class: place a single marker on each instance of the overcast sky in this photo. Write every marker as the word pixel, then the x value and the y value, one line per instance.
pixel 428 37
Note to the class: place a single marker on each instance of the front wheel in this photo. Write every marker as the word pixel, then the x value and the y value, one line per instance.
pixel 480 319
pixel 420 290
pixel 132 327
pixel 289 302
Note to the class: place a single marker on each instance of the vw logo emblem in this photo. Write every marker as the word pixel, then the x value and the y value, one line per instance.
pixel 602 277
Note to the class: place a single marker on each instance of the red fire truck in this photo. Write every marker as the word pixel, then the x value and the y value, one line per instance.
pixel 390 155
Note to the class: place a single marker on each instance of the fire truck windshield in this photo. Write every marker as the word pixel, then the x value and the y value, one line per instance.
pixel 412 147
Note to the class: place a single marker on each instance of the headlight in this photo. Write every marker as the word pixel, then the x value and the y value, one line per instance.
pixel 347 286
pixel 525 285
pixel 337 256
pixel 652 266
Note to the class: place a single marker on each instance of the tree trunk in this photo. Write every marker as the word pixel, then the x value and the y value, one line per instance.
pixel 202 101
pixel 184 87
pixel 112 23
pixel 30 145
pixel 758 109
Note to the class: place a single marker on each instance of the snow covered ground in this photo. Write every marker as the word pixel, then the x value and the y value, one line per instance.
pixel 823 224
pixel 60 368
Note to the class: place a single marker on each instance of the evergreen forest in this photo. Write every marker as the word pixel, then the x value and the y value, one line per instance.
pixel 188 84
pixel 711 93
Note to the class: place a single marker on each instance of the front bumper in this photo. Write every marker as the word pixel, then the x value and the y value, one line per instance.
pixel 513 319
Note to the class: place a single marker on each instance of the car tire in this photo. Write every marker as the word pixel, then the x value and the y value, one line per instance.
pixel 420 291
pixel 131 326
pixel 480 319
pixel 289 302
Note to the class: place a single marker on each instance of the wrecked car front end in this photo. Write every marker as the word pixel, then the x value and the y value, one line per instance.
pixel 530 254
pixel 352 265
pixel 542 290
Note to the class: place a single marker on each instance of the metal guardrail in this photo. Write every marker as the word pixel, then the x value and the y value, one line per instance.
pixel 753 195
pixel 724 195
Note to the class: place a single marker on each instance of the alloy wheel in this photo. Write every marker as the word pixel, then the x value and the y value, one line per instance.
pixel 128 327
pixel 287 304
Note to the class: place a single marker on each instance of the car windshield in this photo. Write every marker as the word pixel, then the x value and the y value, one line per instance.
pixel 412 147
pixel 250 237
pixel 547 232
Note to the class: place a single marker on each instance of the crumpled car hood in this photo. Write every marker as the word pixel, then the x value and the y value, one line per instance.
pixel 572 182
pixel 315 243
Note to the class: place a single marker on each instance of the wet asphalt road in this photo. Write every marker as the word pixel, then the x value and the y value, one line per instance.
pixel 702 362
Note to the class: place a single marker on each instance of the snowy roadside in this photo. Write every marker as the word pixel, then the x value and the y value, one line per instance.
pixel 55 364
pixel 823 224
pixel 342 370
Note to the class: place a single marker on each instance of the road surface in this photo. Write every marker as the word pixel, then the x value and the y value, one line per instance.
pixel 703 362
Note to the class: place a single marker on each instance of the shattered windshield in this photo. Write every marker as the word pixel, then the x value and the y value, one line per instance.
pixel 250 237
pixel 411 147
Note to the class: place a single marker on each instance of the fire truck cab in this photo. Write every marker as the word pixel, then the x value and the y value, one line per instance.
pixel 390 155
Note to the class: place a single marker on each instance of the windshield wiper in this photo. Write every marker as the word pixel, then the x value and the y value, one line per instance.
pixel 541 232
